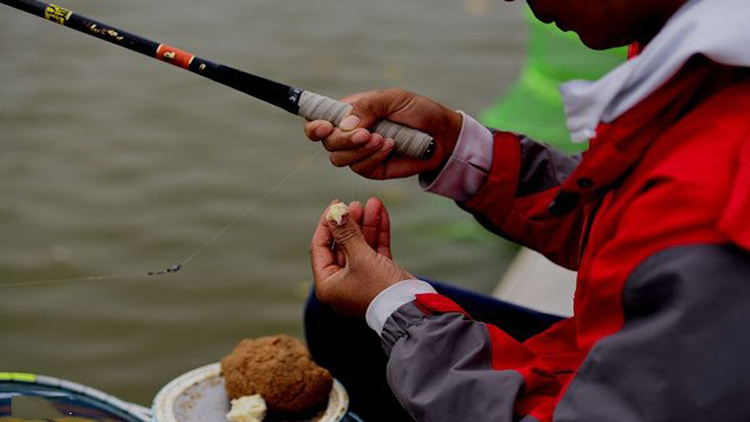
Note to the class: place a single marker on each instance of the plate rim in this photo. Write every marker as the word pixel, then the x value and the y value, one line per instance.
pixel 167 396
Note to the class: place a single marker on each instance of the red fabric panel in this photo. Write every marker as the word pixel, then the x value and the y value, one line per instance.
pixel 634 50
pixel 558 238
pixel 674 196
pixel 735 222
pixel 525 220
pixel 495 197
pixel 557 347
pixel 541 385
pixel 434 303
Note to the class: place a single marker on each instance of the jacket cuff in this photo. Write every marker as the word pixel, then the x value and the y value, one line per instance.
pixel 392 298
pixel 466 170
pixel 425 305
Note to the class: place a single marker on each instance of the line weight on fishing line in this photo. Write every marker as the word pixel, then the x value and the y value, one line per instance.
pixel 304 103
pixel 174 268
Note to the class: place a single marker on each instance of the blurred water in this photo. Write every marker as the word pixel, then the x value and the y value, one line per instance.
pixel 111 162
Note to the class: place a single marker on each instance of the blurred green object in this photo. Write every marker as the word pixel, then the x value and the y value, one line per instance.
pixel 532 106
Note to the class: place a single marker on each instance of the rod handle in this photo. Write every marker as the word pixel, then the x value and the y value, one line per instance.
pixel 409 142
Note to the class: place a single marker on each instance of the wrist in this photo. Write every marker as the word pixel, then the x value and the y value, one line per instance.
pixel 446 136
pixel 392 298
pixel 385 280
pixel 455 121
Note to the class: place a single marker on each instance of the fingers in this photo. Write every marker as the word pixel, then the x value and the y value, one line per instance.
pixel 346 147
pixel 376 227
pixel 384 233
pixel 356 212
pixel 352 288
pixel 355 155
pixel 348 235
pixel 373 165
pixel 367 109
pixel 318 129
pixel 371 221
pixel 372 156
pixel 322 258
pixel 372 106
pixel 358 149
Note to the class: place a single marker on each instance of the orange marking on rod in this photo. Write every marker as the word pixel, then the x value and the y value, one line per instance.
pixel 174 56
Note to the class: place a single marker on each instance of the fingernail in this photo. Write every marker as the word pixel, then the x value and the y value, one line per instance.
pixel 350 122
pixel 388 144
pixel 374 143
pixel 360 136
pixel 321 132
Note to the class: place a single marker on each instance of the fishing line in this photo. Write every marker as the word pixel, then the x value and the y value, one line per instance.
pixel 176 267
pixel 245 212
pixel 69 280
pixel 301 102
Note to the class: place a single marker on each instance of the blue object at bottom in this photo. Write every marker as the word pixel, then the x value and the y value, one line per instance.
pixel 59 400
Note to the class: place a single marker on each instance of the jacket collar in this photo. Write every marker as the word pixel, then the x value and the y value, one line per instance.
pixel 619 146
pixel 716 29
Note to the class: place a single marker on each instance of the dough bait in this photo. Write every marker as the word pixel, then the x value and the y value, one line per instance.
pixel 336 212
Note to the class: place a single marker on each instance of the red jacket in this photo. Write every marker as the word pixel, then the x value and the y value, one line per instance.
pixel 656 219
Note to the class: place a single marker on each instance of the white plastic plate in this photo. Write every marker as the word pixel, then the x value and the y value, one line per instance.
pixel 199 396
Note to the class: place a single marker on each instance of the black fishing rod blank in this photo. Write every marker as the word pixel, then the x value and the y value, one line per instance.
pixel 410 142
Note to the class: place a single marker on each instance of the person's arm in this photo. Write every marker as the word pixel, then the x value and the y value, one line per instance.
pixel 446 367
pixel 443 366
pixel 513 202
pixel 677 289
pixel 683 342
pixel 682 338
pixel 681 353
pixel 505 180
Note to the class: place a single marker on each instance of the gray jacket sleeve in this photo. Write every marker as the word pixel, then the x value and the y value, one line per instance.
pixel 441 369
pixel 681 354
pixel 683 351
pixel 543 167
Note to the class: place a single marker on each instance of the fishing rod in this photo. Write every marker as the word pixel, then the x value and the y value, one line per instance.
pixel 410 142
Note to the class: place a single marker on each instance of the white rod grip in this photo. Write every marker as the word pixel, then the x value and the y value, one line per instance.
pixel 410 142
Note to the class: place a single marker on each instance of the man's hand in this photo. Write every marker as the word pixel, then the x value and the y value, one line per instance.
pixel 352 262
pixel 369 155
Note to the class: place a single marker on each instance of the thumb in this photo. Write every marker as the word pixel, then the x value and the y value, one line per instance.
pixel 370 107
pixel 347 233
